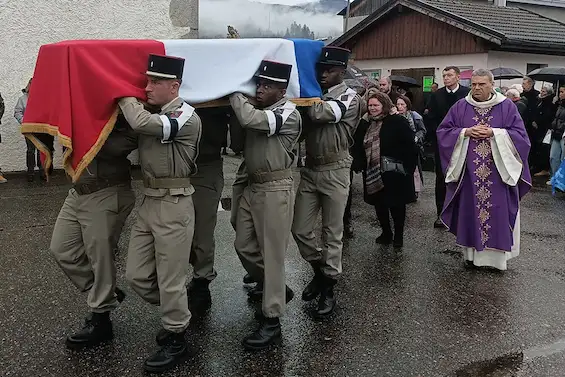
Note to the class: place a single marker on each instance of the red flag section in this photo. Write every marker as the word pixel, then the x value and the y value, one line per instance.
pixel 74 90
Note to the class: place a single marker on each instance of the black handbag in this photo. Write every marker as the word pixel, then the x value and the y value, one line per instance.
pixel 389 164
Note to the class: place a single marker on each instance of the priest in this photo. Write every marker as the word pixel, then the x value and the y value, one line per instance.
pixel 484 149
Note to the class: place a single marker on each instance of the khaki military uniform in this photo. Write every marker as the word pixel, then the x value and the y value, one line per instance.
pixel 90 222
pixel 208 185
pixel 161 238
pixel 325 180
pixel 264 194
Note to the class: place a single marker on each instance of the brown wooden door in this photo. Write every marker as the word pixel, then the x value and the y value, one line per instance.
pixel 419 97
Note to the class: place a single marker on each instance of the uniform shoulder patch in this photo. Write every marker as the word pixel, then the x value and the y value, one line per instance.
pixel 344 97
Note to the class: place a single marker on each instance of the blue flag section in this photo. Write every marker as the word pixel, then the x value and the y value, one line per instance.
pixel 307 53
pixel 558 180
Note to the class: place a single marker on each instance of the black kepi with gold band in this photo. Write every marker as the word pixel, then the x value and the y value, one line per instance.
pixel 274 71
pixel 334 56
pixel 165 67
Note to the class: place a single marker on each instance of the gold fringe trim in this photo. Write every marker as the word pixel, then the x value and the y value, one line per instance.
pixel 27 129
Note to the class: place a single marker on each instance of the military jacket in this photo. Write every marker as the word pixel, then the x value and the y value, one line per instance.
pixel 168 145
pixel 270 137
pixel 332 123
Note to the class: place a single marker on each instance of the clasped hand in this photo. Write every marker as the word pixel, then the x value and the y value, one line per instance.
pixel 479 132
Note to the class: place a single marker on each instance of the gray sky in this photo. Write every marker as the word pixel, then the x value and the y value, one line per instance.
pixel 216 15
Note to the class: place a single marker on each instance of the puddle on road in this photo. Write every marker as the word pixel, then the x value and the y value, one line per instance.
pixel 508 365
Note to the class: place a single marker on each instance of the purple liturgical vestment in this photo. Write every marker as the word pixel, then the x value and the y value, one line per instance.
pixel 486 178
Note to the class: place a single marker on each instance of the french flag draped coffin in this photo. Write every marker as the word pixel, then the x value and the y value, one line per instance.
pixel 76 84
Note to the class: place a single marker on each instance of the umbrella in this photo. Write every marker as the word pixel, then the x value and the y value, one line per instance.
pixel 549 74
pixel 466 75
pixel 352 72
pixel 501 73
pixel 404 81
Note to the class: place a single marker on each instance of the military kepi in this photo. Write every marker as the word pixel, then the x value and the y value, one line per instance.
pixel 166 67
pixel 274 71
pixel 335 56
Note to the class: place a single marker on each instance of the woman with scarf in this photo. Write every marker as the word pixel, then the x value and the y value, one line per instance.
pixel 557 151
pixel 385 152
pixel 416 122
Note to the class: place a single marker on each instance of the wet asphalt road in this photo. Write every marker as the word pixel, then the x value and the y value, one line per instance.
pixel 415 313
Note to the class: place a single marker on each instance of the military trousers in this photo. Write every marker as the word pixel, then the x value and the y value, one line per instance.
pixel 85 236
pixel 208 186
pixel 327 190
pixel 262 234
pixel 158 256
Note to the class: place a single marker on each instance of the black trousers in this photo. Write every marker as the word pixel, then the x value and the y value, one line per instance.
pixel 32 156
pixel 441 187
pixel 347 213
pixel 398 214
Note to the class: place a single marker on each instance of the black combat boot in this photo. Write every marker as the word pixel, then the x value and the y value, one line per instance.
pixel 199 298
pixel 269 332
pixel 173 350
pixel 289 295
pixel 256 294
pixel 97 329
pixel 327 301
pixel 312 290
pixel 248 279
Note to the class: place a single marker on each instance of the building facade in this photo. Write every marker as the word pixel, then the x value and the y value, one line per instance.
pixel 28 24
pixel 419 38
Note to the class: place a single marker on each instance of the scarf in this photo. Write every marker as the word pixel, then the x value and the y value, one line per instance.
pixel 410 119
pixel 372 144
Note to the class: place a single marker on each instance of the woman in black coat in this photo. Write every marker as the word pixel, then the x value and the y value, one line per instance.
pixel 382 137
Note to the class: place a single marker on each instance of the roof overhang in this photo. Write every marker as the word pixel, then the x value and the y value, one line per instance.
pixel 532 47
pixel 452 19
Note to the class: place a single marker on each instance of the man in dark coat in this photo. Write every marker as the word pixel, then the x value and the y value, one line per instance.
pixel 440 103
pixel 532 99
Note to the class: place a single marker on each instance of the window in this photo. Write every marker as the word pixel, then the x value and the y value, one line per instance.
pixel 530 67
pixel 374 74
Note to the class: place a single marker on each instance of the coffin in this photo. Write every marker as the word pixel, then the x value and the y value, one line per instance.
pixel 76 84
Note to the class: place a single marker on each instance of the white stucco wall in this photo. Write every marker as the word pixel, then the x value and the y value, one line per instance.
pixel 437 62
pixel 519 62
pixel 491 60
pixel 28 24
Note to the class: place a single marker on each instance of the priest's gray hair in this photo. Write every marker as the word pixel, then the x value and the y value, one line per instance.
pixel 481 72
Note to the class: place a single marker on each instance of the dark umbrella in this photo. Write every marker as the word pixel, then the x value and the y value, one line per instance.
pixel 501 73
pixel 404 82
pixel 549 74
pixel 352 72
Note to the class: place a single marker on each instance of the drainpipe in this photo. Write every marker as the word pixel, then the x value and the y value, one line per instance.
pixel 346 16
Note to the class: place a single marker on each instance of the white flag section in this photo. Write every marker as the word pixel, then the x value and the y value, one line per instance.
pixel 215 68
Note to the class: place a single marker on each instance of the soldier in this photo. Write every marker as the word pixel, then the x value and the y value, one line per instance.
pixel 161 238
pixel 88 228
pixel 208 185
pixel 263 194
pixel 326 179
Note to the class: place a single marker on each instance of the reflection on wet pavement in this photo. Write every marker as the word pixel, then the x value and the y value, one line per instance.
pixel 415 313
